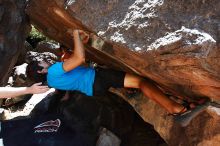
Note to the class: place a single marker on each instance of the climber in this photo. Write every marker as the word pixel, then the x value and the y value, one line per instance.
pixel 70 75
pixel 10 92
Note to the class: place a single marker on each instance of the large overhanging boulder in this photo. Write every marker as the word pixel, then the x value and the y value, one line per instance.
pixel 173 43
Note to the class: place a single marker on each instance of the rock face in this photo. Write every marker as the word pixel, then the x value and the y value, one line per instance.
pixel 44 46
pixel 14 29
pixel 174 43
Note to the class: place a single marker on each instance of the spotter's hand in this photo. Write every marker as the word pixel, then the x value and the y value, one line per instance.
pixel 37 88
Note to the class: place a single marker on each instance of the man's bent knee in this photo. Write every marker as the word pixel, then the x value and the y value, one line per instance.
pixel 132 81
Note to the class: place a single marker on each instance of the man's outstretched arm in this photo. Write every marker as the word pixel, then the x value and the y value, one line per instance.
pixel 10 92
pixel 78 56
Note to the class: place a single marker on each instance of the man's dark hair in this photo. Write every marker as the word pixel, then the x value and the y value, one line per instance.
pixel 32 73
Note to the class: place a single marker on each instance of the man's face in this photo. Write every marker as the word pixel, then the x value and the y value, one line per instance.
pixel 44 65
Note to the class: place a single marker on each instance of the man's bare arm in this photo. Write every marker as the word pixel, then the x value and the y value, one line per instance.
pixel 78 56
pixel 10 92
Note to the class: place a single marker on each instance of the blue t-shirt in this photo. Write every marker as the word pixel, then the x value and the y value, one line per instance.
pixel 80 78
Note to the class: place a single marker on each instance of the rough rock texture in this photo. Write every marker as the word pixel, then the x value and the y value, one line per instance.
pixel 44 46
pixel 174 43
pixel 14 28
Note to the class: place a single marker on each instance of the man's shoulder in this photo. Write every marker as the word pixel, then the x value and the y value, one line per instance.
pixel 56 68
pixel 56 65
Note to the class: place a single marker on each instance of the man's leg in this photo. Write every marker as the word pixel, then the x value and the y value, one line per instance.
pixel 152 92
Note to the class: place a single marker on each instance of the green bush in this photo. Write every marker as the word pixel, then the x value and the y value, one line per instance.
pixel 35 34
